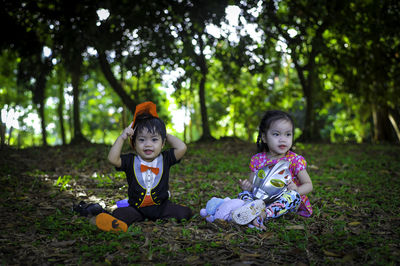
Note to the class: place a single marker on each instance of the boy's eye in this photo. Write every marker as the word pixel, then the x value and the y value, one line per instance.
pixel 155 139
pixel 275 134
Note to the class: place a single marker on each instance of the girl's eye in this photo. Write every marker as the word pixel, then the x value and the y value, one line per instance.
pixel 141 140
pixel 275 134
pixel 155 139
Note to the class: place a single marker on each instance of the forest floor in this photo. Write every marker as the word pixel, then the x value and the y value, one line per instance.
pixel 355 199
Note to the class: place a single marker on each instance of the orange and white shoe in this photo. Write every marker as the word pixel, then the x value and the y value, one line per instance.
pixel 107 223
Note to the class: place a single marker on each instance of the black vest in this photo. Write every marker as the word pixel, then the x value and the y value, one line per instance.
pixel 137 188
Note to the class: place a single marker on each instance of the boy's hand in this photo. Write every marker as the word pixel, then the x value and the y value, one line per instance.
pixel 245 184
pixel 128 132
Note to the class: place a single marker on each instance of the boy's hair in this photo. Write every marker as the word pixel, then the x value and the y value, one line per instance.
pixel 151 123
pixel 266 121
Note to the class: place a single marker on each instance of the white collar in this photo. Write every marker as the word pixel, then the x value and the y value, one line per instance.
pixel 150 164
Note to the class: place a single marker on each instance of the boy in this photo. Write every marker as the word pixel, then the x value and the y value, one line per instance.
pixel 147 172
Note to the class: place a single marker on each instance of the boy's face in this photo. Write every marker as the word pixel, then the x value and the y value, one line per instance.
pixel 148 145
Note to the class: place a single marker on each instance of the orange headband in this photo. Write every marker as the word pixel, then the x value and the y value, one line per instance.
pixel 146 107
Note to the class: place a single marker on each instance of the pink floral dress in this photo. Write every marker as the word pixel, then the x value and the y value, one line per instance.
pixel 297 163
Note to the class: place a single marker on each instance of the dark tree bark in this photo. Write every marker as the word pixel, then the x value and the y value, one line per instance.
pixel 201 62
pixel 383 130
pixel 42 123
pixel 39 96
pixel 75 81
pixel 60 114
pixel 117 87
pixel 394 118
pixel 2 133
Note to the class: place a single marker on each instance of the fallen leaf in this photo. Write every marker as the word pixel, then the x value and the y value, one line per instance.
pixel 355 223
pixel 192 258
pixel 295 227
pixel 63 243
pixel 267 235
pixel 146 242
pixel 229 236
pixel 331 254
pixel 253 255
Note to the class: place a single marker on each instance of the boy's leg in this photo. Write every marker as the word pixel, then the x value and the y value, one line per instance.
pixel 128 214
pixel 288 202
pixel 172 210
pixel 120 219
pixel 106 222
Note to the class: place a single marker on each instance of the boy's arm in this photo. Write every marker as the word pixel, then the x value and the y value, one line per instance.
pixel 178 145
pixel 114 156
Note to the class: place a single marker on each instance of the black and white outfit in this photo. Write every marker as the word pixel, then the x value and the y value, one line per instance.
pixel 148 189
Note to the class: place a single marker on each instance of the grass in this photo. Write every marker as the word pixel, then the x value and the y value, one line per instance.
pixel 355 201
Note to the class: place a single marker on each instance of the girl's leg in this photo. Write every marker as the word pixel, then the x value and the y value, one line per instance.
pixel 172 210
pixel 246 196
pixel 288 202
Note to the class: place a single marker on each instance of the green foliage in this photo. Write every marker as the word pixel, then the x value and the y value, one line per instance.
pixel 63 182
pixel 332 64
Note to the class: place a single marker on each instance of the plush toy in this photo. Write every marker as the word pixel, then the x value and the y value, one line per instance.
pixel 218 208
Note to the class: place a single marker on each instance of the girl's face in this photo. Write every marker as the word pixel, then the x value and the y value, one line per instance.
pixel 148 145
pixel 279 137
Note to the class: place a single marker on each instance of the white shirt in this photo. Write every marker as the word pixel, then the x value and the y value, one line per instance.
pixel 148 175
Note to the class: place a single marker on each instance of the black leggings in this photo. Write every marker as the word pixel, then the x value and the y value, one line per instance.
pixel 164 211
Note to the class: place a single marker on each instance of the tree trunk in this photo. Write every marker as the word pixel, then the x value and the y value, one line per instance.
pixel 394 118
pixel 310 128
pixel 60 114
pixel 117 87
pixel 383 131
pixel 2 133
pixel 10 134
pixel 39 96
pixel 42 122
pixel 201 62
pixel 75 80
pixel 203 110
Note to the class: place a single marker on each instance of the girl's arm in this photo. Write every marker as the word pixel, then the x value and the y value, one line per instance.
pixel 114 156
pixel 178 145
pixel 305 183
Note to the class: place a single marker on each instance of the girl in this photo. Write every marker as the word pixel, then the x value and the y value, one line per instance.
pixel 274 141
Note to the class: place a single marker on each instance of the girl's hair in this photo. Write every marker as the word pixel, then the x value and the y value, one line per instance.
pixel 151 123
pixel 266 121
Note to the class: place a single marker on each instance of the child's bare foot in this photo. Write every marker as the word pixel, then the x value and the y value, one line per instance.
pixel 258 223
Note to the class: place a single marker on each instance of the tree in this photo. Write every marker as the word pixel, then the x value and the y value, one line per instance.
pixel 193 43
pixel 300 25
pixel 363 48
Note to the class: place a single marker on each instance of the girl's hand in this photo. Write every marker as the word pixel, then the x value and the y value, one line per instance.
pixel 128 132
pixel 292 186
pixel 245 184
